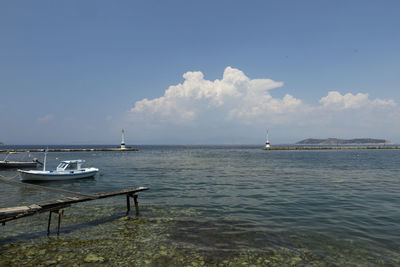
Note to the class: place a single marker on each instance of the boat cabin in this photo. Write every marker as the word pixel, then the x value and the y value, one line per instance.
pixel 68 165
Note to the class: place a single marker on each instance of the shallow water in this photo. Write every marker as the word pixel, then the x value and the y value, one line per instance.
pixel 222 206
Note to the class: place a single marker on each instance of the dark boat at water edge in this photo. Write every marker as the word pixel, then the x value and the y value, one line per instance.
pixel 18 164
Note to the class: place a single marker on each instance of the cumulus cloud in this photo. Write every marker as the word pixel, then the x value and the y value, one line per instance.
pixel 238 104
pixel 234 97
pixel 335 100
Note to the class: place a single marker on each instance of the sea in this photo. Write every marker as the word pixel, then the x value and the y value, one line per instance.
pixel 215 206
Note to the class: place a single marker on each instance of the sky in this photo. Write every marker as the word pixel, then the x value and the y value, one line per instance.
pixel 198 72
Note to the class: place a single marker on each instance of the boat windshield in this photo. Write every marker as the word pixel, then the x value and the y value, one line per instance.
pixel 62 165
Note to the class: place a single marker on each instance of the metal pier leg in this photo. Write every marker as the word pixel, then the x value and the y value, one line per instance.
pixel 128 204
pixel 48 225
pixel 135 197
pixel 60 214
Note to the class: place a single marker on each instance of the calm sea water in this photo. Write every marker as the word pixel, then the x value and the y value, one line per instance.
pixel 218 206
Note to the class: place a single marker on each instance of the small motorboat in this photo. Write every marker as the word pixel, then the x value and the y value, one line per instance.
pixel 18 164
pixel 66 170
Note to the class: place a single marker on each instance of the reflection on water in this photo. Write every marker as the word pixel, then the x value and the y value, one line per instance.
pixel 222 206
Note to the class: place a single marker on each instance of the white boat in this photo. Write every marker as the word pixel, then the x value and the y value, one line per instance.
pixel 66 170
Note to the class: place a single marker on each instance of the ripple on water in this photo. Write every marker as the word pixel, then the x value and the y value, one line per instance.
pixel 220 207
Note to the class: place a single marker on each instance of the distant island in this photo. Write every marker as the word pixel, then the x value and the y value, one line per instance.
pixel 336 141
pixel 1 144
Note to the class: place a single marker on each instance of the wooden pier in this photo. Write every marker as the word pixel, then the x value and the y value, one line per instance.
pixel 58 206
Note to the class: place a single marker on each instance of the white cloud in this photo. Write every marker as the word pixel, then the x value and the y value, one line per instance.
pixel 235 96
pixel 45 118
pixel 335 100
pixel 237 106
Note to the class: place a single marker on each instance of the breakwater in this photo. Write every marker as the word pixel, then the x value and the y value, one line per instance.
pixel 329 147
pixel 69 150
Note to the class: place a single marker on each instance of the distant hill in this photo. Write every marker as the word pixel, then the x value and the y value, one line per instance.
pixel 1 144
pixel 336 141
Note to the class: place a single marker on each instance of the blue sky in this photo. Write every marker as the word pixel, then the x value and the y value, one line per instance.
pixel 76 72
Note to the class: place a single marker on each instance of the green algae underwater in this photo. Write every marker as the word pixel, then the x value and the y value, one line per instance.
pixel 170 237
pixel 213 206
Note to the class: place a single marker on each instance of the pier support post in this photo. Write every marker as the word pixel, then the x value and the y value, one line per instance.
pixel 128 203
pixel 48 225
pixel 135 198
pixel 60 213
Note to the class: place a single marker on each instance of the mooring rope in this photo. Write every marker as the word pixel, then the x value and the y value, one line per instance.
pixel 8 178
pixel 39 187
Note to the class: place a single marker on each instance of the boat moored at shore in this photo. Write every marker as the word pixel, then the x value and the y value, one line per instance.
pixel 18 164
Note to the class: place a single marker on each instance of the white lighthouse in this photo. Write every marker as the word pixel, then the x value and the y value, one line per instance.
pixel 123 140
pixel 267 144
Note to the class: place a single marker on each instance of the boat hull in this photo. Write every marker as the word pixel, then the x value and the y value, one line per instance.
pixel 56 176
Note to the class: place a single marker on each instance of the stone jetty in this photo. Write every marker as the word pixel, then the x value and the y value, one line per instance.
pixel 126 149
pixel 328 147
